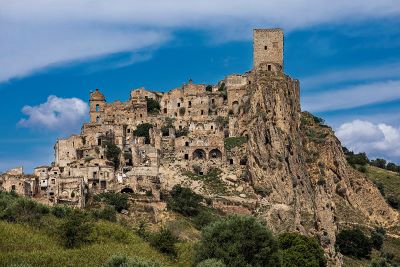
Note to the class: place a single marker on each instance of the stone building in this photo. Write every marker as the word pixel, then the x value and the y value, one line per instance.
pixel 188 132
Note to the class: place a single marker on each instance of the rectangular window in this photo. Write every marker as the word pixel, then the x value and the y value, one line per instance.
pixel 186 156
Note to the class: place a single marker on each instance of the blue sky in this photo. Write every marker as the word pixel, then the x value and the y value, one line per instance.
pixel 346 55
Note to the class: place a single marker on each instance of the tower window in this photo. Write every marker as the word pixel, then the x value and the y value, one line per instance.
pixel 265 47
pixel 97 108
pixel 269 67
pixel 179 104
pixel 202 112
pixel 190 104
pixel 97 119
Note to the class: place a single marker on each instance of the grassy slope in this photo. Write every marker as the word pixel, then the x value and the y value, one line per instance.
pixel 391 182
pixel 25 244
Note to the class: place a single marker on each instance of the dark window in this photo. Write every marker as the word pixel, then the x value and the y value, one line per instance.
pixel 99 141
pixel 103 185
pixel 212 127
pixel 186 143
pixel 212 101
pixel 202 112
pixel 179 104
pixel 190 104
pixel 265 47
pixel 230 161
pixel 186 156
pixel 165 110
pixel 269 67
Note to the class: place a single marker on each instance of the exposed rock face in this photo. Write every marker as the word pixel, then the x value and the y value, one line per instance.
pixel 298 168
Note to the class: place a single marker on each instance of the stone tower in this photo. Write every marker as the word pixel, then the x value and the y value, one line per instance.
pixel 268 46
pixel 97 104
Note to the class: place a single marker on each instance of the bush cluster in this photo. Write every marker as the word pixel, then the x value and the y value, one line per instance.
pixel 238 241
pixel 118 200
pixel 353 242
pixel 183 200
pixel 124 261
pixel 153 106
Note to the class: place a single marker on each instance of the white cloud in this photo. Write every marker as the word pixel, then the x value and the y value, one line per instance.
pixel 380 72
pixel 39 33
pixel 56 114
pixel 352 97
pixel 377 140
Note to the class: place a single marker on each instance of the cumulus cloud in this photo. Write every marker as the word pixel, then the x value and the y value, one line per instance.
pixel 352 97
pixel 56 114
pixel 51 32
pixel 377 140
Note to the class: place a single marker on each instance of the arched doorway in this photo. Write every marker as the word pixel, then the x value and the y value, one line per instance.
pixel 199 154
pixel 215 154
pixel 127 190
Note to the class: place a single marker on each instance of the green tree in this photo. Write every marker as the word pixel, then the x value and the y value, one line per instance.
pixel 107 213
pixel 393 201
pixel 112 153
pixel 380 163
pixel 152 106
pixel 353 242
pixel 22 210
pixel 183 200
pixel 238 241
pixel 118 200
pixel 299 250
pixel 142 130
pixel 377 236
pixel 164 241
pixel 75 230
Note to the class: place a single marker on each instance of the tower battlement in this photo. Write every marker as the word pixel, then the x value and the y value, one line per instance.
pixel 268 46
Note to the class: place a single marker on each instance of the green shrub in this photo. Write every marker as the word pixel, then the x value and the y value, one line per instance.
pixel 377 236
pixel 61 211
pixel 164 241
pixel 112 153
pixel 209 88
pixel 380 163
pixel 118 200
pixel 238 241
pixel 107 213
pixel 211 263
pixel 299 250
pixel 22 210
pixel 232 142
pixel 75 230
pixel 380 186
pixel 124 261
pixel 353 242
pixel 142 130
pixel 393 201
pixel 182 132
pixel 204 218
pixel 152 106
pixel 183 200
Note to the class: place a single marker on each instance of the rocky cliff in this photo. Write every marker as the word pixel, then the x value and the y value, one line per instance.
pixel 298 168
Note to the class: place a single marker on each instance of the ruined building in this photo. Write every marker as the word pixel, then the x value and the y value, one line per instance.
pixel 243 142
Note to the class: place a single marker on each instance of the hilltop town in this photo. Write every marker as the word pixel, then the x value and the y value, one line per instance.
pixel 244 143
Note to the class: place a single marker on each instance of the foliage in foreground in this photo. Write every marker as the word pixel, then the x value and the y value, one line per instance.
pixel 124 261
pixel 299 250
pixel 183 200
pixel 238 241
pixel 118 200
pixel 353 242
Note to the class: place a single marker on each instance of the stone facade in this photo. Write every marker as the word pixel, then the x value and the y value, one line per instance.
pixel 268 46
